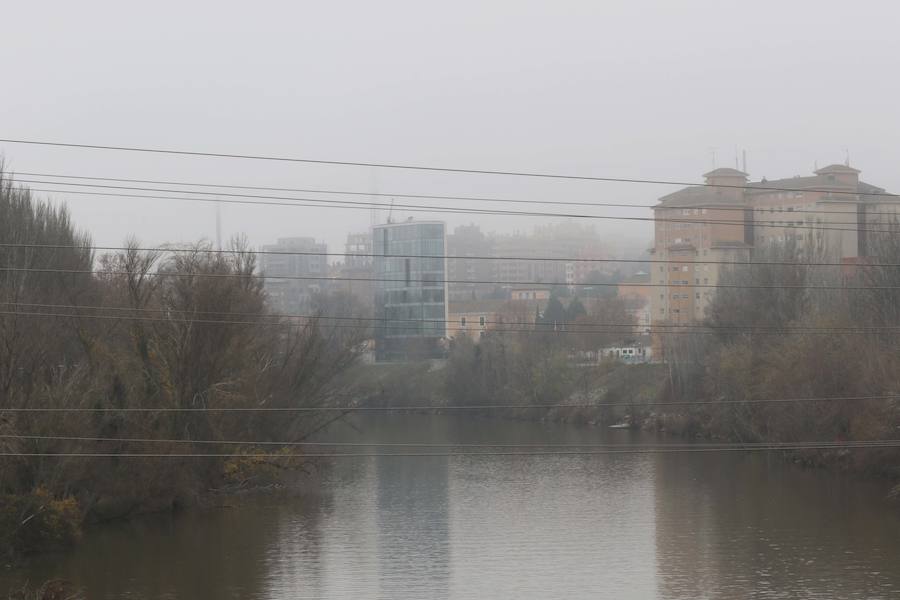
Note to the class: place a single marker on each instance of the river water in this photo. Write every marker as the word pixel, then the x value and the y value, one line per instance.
pixel 679 526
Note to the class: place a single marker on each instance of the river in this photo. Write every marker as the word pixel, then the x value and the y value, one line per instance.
pixel 674 526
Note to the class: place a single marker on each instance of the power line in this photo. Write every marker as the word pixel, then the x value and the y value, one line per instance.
pixel 410 167
pixel 409 328
pixel 413 196
pixel 325 191
pixel 448 281
pixel 284 456
pixel 451 407
pixel 569 326
pixel 359 204
pixel 713 445
pixel 649 261
pixel 401 328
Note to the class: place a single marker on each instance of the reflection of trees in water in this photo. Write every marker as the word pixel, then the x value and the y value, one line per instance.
pixel 736 526
pixel 199 554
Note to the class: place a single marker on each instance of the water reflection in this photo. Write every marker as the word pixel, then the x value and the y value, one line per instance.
pixel 673 526
pixel 413 536
pixel 200 554
pixel 747 525
pixel 386 522
pixel 562 527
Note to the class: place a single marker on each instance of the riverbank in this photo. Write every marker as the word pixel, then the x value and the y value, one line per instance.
pixel 642 396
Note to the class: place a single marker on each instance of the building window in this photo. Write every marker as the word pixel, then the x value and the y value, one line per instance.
pixel 481 321
pixel 462 321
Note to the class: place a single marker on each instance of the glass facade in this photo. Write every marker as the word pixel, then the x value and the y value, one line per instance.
pixel 410 290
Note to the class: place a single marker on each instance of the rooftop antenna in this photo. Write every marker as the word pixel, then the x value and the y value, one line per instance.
pixel 712 156
pixel 744 156
pixel 736 167
pixel 391 212
pixel 846 157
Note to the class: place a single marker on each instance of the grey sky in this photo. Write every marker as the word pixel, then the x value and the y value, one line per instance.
pixel 628 89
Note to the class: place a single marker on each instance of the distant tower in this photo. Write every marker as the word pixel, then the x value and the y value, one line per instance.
pixel 373 185
pixel 218 224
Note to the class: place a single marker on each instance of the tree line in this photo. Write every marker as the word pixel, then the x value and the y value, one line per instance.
pixel 536 363
pixel 805 331
pixel 100 336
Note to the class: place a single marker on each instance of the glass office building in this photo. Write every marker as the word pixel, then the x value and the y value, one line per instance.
pixel 410 290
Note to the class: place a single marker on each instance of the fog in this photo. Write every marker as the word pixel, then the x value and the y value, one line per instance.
pixel 649 89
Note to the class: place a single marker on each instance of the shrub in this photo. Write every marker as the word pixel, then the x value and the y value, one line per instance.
pixel 38 521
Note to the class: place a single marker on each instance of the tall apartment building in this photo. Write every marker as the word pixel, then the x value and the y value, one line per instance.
pixel 520 258
pixel 555 241
pixel 466 267
pixel 292 296
pixel 727 224
pixel 410 269
pixel 636 293
pixel 354 274
pixel 358 250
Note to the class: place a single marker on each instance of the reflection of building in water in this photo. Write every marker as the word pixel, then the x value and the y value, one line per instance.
pixel 413 527
pixel 685 518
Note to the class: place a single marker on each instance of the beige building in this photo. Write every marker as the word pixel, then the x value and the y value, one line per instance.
pixel 541 294
pixel 636 294
pixel 726 224
pixel 474 318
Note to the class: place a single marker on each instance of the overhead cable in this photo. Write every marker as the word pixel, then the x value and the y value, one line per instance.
pixel 435 282
pixel 366 444
pixel 216 251
pixel 411 167
pixel 486 454
pixel 13 175
pixel 358 205
pixel 433 407
pixel 572 326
